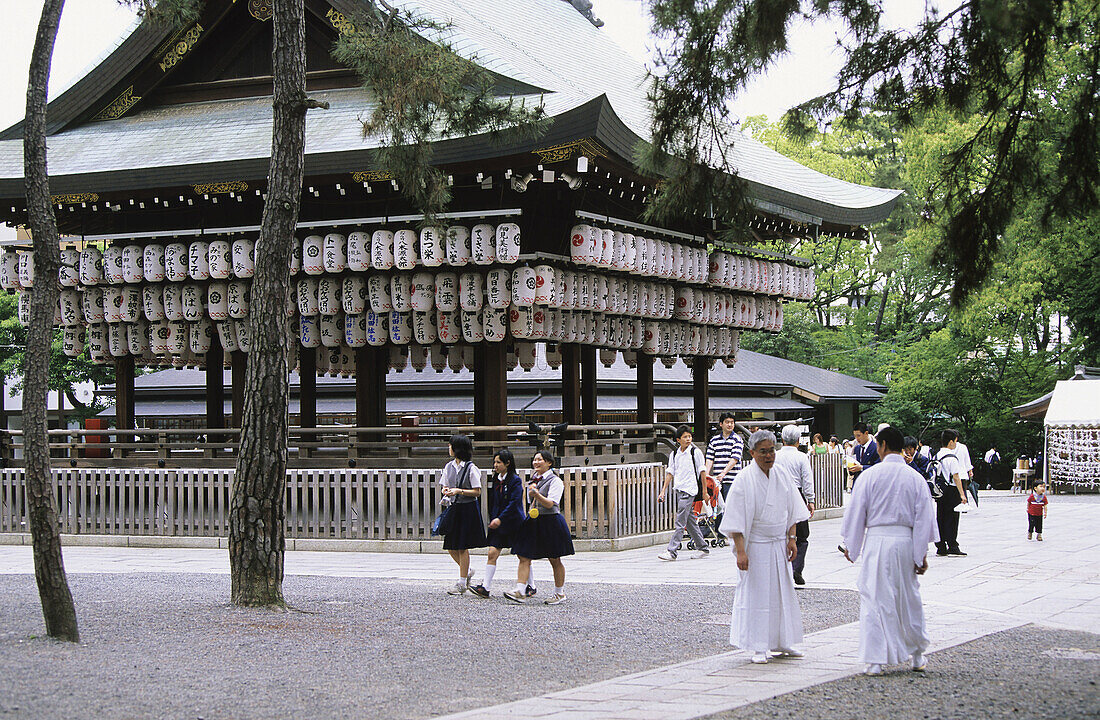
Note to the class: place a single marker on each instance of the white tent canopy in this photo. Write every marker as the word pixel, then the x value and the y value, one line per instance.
pixel 1075 403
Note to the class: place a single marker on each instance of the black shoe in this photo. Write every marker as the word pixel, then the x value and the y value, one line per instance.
pixel 480 591
pixel 841 548
pixel 941 553
pixel 530 592
pixel 798 579
pixel 956 553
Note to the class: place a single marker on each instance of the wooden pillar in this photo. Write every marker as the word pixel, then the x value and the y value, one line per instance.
pixel 588 385
pixel 371 366
pixel 645 389
pixel 700 377
pixel 491 386
pixel 215 386
pixel 238 365
pixel 124 394
pixel 307 389
pixel 570 383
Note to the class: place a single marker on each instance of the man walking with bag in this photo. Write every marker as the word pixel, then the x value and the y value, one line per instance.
pixel 687 475
pixel 797 465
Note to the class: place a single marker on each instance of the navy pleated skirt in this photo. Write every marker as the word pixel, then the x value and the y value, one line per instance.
pixel 499 538
pixel 468 530
pixel 546 536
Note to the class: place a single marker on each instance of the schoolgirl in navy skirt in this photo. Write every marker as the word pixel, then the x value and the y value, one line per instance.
pixel 506 514
pixel 544 534
pixel 462 483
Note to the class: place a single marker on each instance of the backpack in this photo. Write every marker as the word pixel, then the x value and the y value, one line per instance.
pixel 934 474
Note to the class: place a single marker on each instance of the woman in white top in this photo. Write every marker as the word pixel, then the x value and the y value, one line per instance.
pixel 462 484
pixel 544 534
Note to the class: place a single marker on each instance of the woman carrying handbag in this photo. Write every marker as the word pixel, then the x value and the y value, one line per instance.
pixel 544 534
pixel 461 481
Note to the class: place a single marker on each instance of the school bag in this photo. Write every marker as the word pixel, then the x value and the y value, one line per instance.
pixel 935 475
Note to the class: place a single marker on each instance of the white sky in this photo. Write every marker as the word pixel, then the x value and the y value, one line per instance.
pixel 90 28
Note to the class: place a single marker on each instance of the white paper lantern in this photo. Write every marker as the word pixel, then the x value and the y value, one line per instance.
pixel 539 330
pixel 198 262
pixel 498 288
pixel 91 266
pixel 449 326
pixel 112 304
pixel 423 292
pixel 378 293
pixel 458 245
pixel 173 302
pixel 217 301
pixel 418 357
pixel 401 292
pixel 507 242
pixel 68 302
pixel 313 261
pixel 131 263
pixel 227 336
pixel 446 291
pixel 328 296
pixel 424 329
pixel 309 331
pixel 175 262
pixel 307 296
pixel 72 340
pixel 569 290
pixel 244 335
pixel 359 252
pixel 9 271
pixel 494 323
pixel 332 330
pixel 404 249
pixel 401 327
pixel 191 298
pixel 523 286
pixel 599 293
pixel 544 285
pixel 199 336
pixel 130 308
pixel 290 302
pixel 483 249
pixel 454 359
pixel 97 343
pixel 382 249
pixel 353 294
pixel 432 246
pixel 177 336
pixel 112 265
pixel 527 354
pixel 521 321
pixel 334 255
pixel 68 274
pixel 578 244
pixel 439 358
pixel 236 299
pixel 355 329
pixel 473 330
pixel 471 295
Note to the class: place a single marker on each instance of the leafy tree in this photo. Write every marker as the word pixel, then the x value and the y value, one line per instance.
pixel 49 568
pixel 998 60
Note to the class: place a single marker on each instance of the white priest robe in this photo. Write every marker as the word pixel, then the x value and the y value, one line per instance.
pixel 890 521
pixel 765 610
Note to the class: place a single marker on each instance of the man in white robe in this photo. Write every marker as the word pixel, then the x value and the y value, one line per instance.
pixel 890 522
pixel 762 510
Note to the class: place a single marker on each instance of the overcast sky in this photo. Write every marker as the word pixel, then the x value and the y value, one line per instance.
pixel 91 28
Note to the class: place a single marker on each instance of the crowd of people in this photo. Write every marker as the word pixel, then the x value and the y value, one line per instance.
pixel 903 497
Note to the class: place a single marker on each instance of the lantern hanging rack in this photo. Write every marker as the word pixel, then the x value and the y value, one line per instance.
pixel 238 229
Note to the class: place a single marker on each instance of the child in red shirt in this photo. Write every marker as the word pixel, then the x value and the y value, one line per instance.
pixel 1036 511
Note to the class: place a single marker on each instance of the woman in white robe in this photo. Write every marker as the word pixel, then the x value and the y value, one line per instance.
pixel 762 509
pixel 889 523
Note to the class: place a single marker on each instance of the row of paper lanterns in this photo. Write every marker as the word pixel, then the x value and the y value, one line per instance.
pixel 406 250
pixel 524 287
pixel 314 255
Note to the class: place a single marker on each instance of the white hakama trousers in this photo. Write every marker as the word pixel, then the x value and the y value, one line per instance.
pixel 765 609
pixel 891 617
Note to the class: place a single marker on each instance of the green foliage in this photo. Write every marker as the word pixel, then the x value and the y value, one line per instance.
pixel 424 91
pixel 795 341
pixel 171 13
pixel 1026 71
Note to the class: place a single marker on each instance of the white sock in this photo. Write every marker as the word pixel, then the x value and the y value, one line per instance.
pixel 559 590
pixel 490 570
pixel 520 589
pixel 531 576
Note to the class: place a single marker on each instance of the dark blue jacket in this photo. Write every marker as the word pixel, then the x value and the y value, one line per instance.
pixel 506 502
pixel 866 455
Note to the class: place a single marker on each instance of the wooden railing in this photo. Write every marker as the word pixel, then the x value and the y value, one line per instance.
pixel 599 502
pixel 334 446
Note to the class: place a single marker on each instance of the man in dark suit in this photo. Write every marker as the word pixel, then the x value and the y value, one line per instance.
pixel 865 450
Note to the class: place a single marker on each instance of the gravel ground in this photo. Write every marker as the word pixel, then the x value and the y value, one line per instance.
pixel 170 646
pixel 1023 673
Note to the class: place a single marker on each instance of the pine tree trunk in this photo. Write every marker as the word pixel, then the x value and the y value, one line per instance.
pixel 49 568
pixel 257 540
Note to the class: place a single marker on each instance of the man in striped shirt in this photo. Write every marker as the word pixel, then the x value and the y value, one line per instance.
pixel 724 452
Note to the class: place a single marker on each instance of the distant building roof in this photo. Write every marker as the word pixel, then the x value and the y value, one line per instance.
pixel 1036 410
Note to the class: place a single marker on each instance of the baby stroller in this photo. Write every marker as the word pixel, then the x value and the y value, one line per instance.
pixel 709 516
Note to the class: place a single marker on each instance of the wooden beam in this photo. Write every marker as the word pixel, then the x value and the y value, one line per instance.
pixel 215 384
pixel 645 389
pixel 700 379
pixel 238 364
pixel 371 366
pixel 571 383
pixel 124 394
pixel 491 385
pixel 307 388
pixel 588 385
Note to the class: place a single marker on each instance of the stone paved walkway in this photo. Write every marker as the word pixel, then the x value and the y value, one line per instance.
pixel 1006 581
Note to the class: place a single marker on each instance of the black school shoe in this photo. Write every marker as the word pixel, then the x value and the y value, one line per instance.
pixel 956 553
pixel 798 579
pixel 480 591
pixel 531 591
